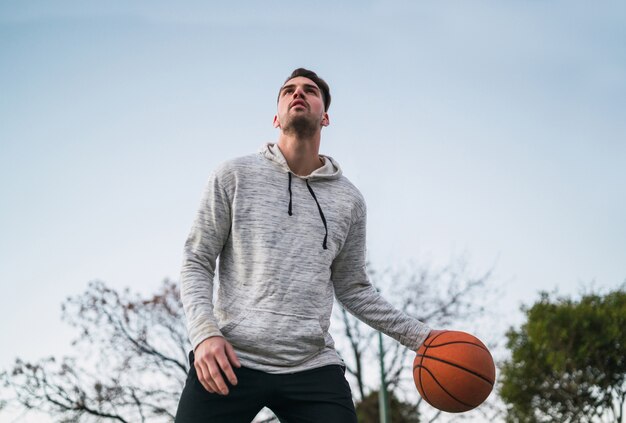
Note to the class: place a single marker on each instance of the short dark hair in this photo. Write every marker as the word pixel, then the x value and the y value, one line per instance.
pixel 321 84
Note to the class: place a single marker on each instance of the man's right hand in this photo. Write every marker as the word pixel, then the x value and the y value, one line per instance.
pixel 213 356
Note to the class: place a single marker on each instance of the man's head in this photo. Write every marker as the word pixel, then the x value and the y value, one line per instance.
pixel 302 104
pixel 321 84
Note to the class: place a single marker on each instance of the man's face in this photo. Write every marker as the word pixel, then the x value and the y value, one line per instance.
pixel 300 107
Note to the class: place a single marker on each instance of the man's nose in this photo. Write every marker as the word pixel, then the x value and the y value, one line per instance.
pixel 298 92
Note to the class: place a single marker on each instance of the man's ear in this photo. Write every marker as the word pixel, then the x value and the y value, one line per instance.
pixel 276 122
pixel 325 120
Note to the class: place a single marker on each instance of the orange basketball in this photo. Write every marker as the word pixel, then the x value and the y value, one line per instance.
pixel 454 371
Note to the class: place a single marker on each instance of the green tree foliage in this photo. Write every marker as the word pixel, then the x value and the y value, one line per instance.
pixel 568 361
pixel 367 411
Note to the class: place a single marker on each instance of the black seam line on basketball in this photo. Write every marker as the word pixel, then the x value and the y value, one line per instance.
pixel 455 365
pixel 426 346
pixel 446 391
pixel 459 342
pixel 420 373
pixel 433 340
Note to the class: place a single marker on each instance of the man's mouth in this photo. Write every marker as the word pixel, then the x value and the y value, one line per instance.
pixel 298 103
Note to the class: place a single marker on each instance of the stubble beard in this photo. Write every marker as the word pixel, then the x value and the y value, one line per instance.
pixel 301 126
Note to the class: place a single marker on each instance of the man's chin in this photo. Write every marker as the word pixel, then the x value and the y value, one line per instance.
pixel 301 127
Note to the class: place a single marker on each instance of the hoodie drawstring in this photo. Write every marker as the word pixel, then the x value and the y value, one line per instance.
pixel 319 208
pixel 289 211
pixel 321 214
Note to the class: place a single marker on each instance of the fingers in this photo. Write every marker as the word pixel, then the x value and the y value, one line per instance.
pixel 223 363
pixel 225 359
pixel 213 361
pixel 218 379
pixel 204 377
pixel 210 376
pixel 232 357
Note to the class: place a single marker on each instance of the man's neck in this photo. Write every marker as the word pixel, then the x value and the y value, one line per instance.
pixel 302 155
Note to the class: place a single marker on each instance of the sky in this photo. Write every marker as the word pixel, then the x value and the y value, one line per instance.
pixel 491 130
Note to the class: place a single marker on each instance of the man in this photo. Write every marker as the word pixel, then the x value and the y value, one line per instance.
pixel 289 231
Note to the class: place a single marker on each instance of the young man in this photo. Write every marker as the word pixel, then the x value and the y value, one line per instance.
pixel 289 231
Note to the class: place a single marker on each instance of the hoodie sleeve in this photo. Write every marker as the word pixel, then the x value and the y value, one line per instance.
pixel 357 295
pixel 208 235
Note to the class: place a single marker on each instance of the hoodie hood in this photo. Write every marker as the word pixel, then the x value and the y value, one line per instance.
pixel 330 169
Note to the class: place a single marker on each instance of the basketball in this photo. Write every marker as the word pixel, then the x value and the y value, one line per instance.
pixel 454 371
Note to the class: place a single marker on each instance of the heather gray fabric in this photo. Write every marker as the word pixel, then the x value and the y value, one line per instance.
pixel 275 282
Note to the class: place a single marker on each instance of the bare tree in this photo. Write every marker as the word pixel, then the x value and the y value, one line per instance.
pixel 439 297
pixel 131 363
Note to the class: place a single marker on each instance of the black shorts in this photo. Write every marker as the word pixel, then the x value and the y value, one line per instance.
pixel 311 396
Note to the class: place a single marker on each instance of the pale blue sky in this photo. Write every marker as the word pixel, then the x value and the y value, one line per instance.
pixel 494 128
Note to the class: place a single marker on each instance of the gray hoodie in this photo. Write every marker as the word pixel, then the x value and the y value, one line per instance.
pixel 286 245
